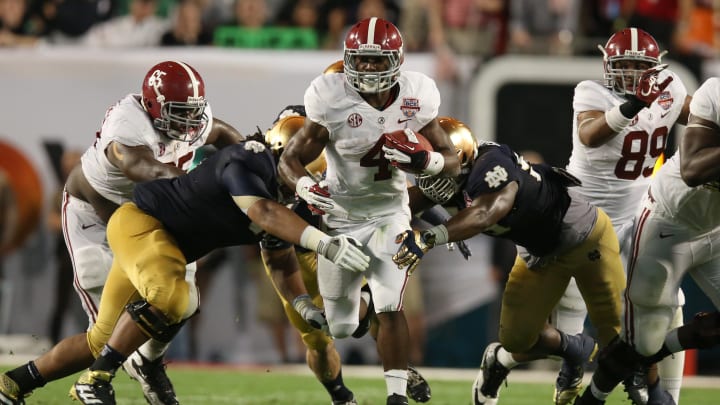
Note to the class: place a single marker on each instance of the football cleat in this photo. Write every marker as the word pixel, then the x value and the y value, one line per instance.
pixel 396 399
pixel 491 375
pixel 417 386
pixel 10 391
pixel 94 388
pixel 636 387
pixel 156 386
pixel 569 381
pixel 364 325
pixel 350 401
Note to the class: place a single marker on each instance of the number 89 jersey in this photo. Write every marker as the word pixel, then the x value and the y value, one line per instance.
pixel 360 180
pixel 615 175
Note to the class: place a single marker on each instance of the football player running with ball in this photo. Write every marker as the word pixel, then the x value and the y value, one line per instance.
pixel 366 196
pixel 559 236
pixel 144 136
pixel 620 130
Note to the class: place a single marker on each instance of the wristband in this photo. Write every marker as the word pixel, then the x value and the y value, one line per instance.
pixel 632 107
pixel 616 120
pixel 311 237
pixel 436 162
pixel 437 235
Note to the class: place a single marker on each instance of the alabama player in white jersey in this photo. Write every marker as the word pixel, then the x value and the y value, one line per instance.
pixel 143 137
pixel 677 232
pixel 620 129
pixel 366 196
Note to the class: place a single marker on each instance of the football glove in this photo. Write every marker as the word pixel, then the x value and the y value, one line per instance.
pixel 413 247
pixel 648 89
pixel 344 251
pixel 313 315
pixel 316 196
pixel 411 153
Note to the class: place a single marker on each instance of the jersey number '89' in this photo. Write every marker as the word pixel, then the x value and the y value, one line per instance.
pixel 636 146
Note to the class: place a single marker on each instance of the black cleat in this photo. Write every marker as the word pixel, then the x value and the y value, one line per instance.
pixel 156 386
pixel 396 399
pixel 417 386
pixel 492 374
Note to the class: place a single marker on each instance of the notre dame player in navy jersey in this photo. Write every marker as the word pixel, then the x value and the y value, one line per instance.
pixel 558 236
pixel 230 199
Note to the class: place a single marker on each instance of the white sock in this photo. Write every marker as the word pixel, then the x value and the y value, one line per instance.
pixel 506 359
pixel 152 349
pixel 396 381
pixel 671 368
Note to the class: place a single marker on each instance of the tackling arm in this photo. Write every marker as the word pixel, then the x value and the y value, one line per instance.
pixel 223 134
pixel 138 163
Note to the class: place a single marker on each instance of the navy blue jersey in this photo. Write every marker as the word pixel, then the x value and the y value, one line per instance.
pixel 197 208
pixel 541 202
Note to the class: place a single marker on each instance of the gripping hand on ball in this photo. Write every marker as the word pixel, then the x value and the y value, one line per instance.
pixel 412 249
pixel 317 197
pixel 405 150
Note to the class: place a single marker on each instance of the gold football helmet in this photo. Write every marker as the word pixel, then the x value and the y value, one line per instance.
pixel 279 135
pixel 442 189
pixel 336 67
pixel 463 139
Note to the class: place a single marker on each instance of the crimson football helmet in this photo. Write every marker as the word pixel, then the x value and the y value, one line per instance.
pixel 441 189
pixel 173 93
pixel 373 37
pixel 630 44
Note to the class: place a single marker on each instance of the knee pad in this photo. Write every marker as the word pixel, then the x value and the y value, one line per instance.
pixel 92 265
pixel 706 329
pixel 153 323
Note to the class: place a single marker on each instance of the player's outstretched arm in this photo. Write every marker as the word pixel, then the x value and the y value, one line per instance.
pixel 223 134
pixel 304 147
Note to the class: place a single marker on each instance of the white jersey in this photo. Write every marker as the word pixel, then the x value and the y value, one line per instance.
pixel 615 175
pixel 696 207
pixel 360 180
pixel 128 123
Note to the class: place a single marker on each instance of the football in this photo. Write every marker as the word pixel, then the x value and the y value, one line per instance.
pixel 411 143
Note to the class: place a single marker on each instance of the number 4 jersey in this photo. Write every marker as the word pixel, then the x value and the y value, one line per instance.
pixel 615 175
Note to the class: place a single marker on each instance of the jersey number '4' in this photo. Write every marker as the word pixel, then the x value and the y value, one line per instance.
pixel 636 146
pixel 376 158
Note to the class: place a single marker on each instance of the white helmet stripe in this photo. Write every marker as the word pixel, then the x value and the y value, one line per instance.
pixel 193 79
pixel 634 39
pixel 371 31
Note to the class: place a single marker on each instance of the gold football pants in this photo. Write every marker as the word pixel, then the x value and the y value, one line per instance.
pixel 530 295
pixel 314 339
pixel 147 264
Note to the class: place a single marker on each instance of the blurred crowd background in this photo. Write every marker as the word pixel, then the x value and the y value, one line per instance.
pixel 453 304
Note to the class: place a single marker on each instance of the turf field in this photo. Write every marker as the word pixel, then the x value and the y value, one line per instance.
pixel 292 385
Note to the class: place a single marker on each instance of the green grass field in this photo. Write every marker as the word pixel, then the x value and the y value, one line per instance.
pixel 203 386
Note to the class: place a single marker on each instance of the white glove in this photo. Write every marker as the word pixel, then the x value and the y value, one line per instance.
pixel 344 251
pixel 315 195
pixel 313 315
